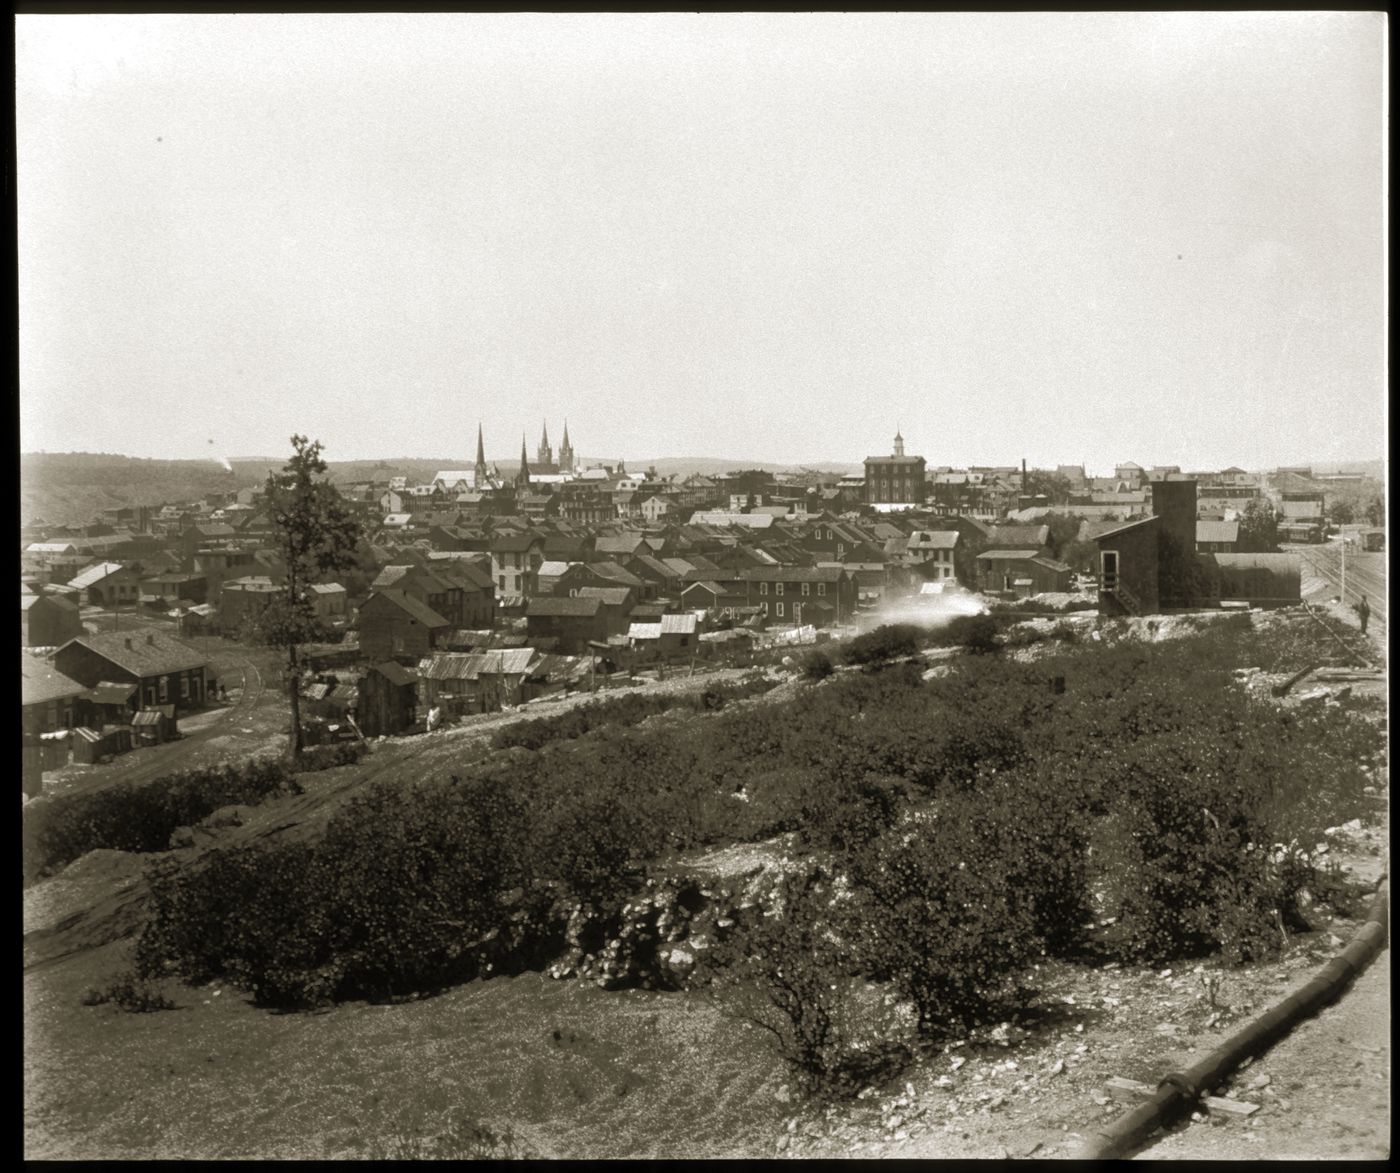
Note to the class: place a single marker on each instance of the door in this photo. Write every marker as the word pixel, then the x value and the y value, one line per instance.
pixel 1110 569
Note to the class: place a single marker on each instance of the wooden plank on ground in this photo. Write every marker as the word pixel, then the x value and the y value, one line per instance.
pixel 1232 1107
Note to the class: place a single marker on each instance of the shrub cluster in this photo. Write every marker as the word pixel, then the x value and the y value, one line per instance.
pixel 961 812
pixel 397 897
pixel 325 757
pixel 888 642
pixel 141 816
pixel 130 992
pixel 629 709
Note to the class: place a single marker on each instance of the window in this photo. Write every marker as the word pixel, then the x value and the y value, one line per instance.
pixel 778 588
pixel 806 588
pixel 821 588
pixel 780 610
pixel 763 588
pixel 503 582
pixel 164 689
pixel 184 687
pixel 764 607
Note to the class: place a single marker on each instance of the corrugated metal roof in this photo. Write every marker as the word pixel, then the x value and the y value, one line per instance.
pixel 95 574
pixel 678 624
pixel 644 631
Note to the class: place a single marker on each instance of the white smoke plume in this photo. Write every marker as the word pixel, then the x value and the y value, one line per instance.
pixel 928 611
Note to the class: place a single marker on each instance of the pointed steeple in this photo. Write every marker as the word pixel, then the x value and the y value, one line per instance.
pixel 898 442
pixel 544 455
pixel 481 472
pixel 566 451
pixel 522 478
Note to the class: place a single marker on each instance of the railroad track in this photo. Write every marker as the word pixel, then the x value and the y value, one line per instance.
pixel 1361 579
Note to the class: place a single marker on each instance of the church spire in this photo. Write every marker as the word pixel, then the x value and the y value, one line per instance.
pixel 523 477
pixel 566 451
pixel 481 473
pixel 544 455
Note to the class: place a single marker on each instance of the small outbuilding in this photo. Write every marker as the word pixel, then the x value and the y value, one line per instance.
pixel 388 700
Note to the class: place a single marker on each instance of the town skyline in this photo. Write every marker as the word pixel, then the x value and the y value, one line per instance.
pixel 1014 235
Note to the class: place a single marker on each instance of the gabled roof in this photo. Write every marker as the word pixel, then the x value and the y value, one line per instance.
pixel 933 539
pixel 612 596
pixel 1051 564
pixel 41 682
pixel 577 606
pixel 1118 529
pixel 514 543
pixel 626 543
pixel 614 572
pixel 327 588
pixel 683 624
pixel 705 584
pixel 395 673
pixel 790 574
pixel 142 653
pixel 26 602
pixel 1007 555
pixel 1019 536
pixel 95 574
pixel 409 605
pixel 552 569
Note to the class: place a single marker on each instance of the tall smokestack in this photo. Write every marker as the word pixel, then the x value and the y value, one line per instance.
pixel 1023 474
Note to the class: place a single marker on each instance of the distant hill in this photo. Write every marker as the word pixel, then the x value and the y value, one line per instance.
pixel 71 488
pixel 685 466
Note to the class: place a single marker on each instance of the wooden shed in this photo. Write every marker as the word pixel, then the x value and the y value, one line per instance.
pixel 90 746
pixel 154 726
pixel 388 700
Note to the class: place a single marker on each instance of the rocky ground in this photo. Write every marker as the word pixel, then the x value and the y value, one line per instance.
pixel 1038 1089
pixel 1030 1088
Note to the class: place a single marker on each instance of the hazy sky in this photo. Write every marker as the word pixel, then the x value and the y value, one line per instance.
pixel 768 237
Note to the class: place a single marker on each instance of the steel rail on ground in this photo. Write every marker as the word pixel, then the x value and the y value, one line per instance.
pixel 1180 1091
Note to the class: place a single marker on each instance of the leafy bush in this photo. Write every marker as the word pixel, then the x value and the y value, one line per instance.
pixel 953 909
pixel 884 643
pixel 976 633
pixel 325 757
pixel 141 816
pixel 457 1138
pixel 794 975
pixel 817 665
pixel 131 993
pixel 629 709
pixel 396 897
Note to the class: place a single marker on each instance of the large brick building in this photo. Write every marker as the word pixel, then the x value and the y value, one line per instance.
pixel 895 480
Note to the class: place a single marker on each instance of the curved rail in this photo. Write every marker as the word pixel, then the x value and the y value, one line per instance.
pixel 1179 1091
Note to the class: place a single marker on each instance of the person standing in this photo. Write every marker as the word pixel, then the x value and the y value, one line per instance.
pixel 1363 609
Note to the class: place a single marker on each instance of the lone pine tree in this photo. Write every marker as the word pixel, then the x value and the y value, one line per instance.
pixel 316 536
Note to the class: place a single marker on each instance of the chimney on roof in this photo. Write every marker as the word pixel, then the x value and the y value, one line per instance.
pixel 1023 474
pixel 128 645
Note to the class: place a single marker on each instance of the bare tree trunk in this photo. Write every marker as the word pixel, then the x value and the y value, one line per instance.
pixel 294 694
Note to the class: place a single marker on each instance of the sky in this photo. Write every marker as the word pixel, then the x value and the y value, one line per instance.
pixel 1069 238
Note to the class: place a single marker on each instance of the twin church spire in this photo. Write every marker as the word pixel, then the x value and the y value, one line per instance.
pixel 544 456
